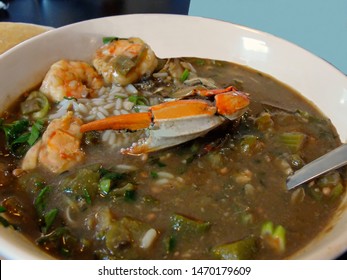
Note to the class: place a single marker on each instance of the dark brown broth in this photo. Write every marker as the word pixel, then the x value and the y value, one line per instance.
pixel 236 191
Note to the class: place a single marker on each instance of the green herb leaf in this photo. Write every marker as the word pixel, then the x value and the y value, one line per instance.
pixel 107 40
pixel 18 136
pixel 154 175
pixel 35 132
pixel 49 218
pixel 2 209
pixel 39 202
pixel 4 222
pixel 185 75
pixel 21 139
pixel 87 196
pixel 15 129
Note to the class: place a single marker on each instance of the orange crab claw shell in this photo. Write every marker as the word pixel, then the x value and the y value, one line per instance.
pixel 133 121
pixel 182 109
pixel 230 103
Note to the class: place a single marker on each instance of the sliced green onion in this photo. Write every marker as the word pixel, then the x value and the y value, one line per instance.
pixel 274 236
pixel 36 104
pixel 267 228
pixel 279 235
pixel 105 185
pixel 30 106
pixel 139 100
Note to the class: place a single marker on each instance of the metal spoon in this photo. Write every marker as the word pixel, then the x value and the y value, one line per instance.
pixel 332 160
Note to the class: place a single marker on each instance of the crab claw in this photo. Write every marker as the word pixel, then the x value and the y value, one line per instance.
pixel 176 122
pixel 172 123
pixel 121 122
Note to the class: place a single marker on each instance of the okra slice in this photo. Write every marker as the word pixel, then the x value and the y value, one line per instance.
pixel 185 225
pixel 243 249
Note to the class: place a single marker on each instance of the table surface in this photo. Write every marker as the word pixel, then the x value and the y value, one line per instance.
pixel 319 26
pixel 56 13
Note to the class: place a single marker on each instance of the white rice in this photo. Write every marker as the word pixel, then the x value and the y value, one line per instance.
pixel 131 89
pixel 164 174
pixel 126 167
pixel 148 238
pixel 110 101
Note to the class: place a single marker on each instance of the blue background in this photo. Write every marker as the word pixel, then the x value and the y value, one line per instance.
pixel 319 26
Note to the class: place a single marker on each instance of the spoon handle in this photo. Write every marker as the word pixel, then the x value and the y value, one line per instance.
pixel 332 160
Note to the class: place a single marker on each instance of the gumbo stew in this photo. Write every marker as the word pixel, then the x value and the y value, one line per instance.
pixel 221 195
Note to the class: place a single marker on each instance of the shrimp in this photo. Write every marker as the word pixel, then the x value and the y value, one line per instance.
pixel 71 79
pixel 125 61
pixel 59 148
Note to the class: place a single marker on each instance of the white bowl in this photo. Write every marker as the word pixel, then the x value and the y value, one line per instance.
pixel 24 66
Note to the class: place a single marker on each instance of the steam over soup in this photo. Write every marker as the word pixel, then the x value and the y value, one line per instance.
pixel 79 193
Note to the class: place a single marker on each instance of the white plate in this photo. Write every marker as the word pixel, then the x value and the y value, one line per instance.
pixel 24 66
